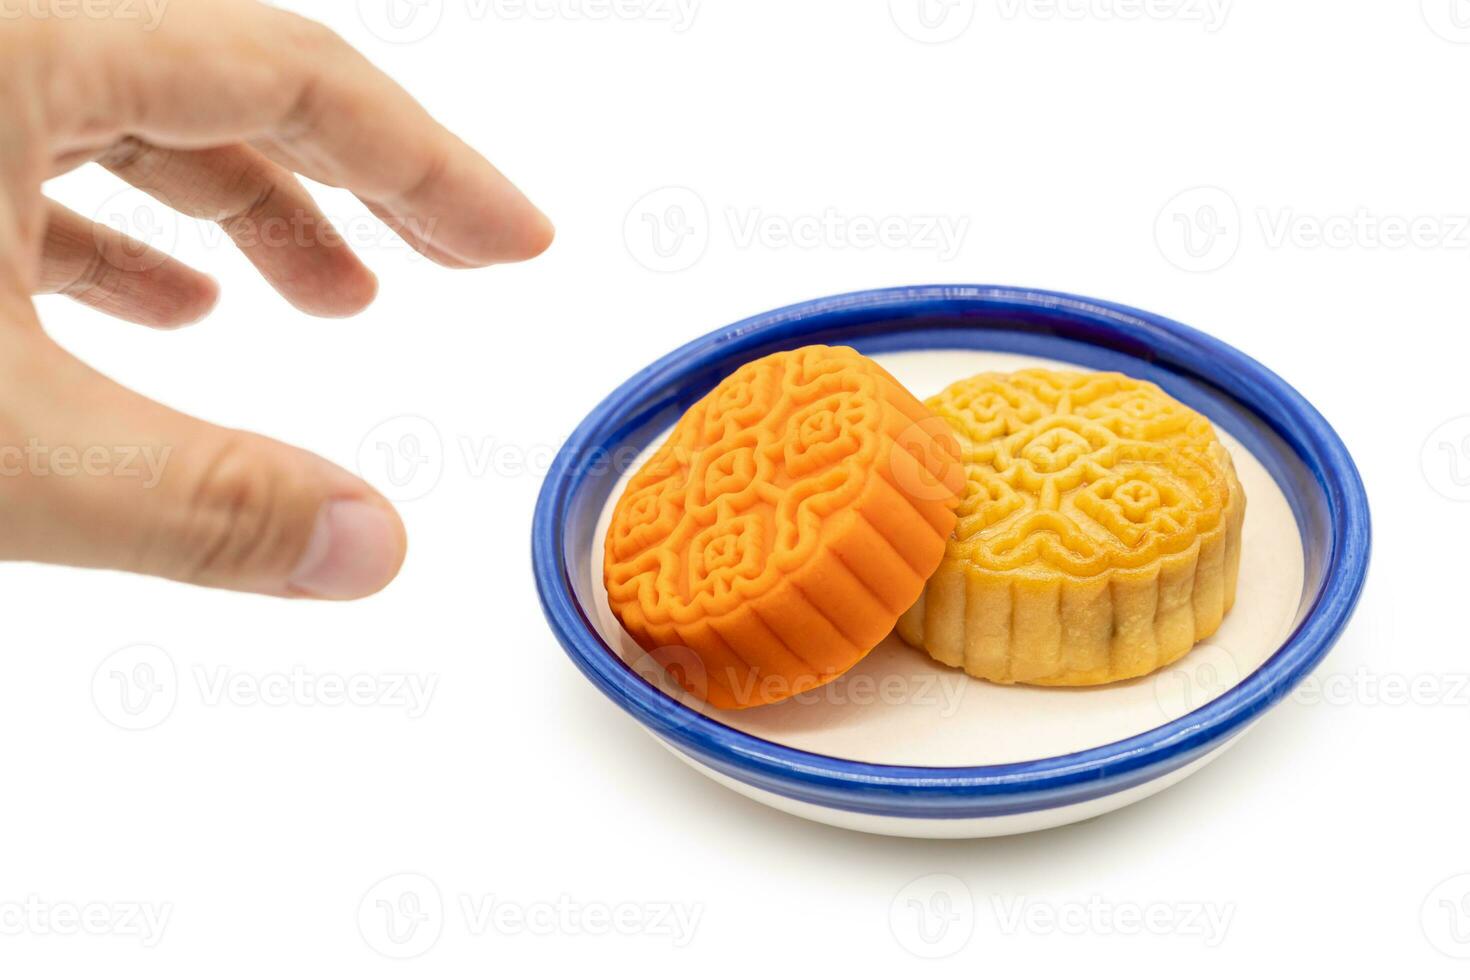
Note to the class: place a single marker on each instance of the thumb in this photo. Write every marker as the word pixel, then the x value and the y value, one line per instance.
pixel 93 474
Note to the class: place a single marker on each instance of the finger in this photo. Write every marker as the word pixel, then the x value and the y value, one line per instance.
pixel 98 476
pixel 406 229
pixel 264 210
pixel 410 233
pixel 105 269
pixel 213 73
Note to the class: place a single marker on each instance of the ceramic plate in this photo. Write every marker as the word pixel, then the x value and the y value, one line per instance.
pixel 902 744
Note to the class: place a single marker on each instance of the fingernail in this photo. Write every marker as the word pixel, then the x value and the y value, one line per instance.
pixel 548 229
pixel 355 550
pixel 539 238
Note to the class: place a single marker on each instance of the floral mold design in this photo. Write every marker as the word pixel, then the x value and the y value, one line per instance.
pixel 792 516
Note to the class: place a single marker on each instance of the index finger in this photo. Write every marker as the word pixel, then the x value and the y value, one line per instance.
pixel 221 71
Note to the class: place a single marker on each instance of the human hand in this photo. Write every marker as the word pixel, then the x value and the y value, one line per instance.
pixel 213 111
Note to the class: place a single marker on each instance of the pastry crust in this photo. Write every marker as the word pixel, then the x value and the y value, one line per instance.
pixel 793 515
pixel 1099 535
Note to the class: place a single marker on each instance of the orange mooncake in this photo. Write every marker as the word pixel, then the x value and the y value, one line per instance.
pixel 792 516
pixel 1098 536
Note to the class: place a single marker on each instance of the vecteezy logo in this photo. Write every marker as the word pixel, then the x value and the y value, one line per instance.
pixel 1450 19
pixel 673 670
pixel 932 21
pixel 933 916
pixel 667 230
pixel 136 687
pixel 924 470
pixel 1445 459
pixel 401 916
pixel 152 225
pixel 400 21
pixel 403 457
pixel 1445 917
pixel 1207 672
pixel 1199 229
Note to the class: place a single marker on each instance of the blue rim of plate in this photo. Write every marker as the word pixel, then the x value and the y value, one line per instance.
pixel 1265 413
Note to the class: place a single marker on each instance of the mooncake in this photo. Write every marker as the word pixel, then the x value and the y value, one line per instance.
pixel 792 516
pixel 1098 537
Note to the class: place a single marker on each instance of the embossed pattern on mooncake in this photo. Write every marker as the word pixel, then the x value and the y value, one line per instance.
pixel 1098 536
pixel 793 514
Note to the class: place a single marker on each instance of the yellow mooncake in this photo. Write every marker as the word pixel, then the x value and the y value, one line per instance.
pixel 1098 537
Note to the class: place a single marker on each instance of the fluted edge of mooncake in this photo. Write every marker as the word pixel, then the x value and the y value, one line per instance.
pixel 1059 631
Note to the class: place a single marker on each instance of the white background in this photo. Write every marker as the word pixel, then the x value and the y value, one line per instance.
pixel 1061 140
